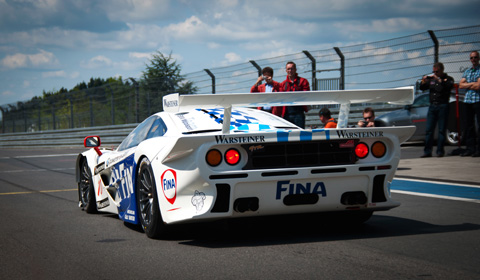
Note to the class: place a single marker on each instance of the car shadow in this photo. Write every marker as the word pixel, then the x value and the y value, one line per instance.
pixel 279 230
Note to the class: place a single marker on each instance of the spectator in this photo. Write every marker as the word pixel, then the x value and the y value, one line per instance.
pixel 269 86
pixel 440 85
pixel 326 118
pixel 293 82
pixel 368 118
pixel 471 82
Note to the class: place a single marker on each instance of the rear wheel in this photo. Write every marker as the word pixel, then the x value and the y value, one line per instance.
pixel 85 189
pixel 147 202
pixel 452 137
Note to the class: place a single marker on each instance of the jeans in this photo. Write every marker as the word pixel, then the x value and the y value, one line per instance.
pixel 297 119
pixel 437 114
pixel 472 111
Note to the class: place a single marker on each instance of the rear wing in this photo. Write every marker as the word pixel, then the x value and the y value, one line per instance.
pixel 179 103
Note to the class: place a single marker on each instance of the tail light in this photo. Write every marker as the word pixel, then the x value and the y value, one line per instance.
pixel 379 149
pixel 232 156
pixel 213 157
pixel 361 150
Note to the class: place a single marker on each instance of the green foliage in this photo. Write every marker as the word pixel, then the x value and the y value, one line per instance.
pixel 163 76
pixel 101 101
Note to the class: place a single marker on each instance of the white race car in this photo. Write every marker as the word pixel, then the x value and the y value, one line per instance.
pixel 188 164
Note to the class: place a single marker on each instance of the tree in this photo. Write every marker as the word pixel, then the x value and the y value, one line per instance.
pixel 163 76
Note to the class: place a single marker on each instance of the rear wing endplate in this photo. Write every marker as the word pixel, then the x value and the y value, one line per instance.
pixel 179 103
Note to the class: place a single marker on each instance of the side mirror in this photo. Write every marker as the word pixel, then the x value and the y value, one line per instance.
pixel 407 107
pixel 93 142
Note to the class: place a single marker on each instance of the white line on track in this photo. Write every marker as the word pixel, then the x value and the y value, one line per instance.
pixel 438 182
pixel 436 196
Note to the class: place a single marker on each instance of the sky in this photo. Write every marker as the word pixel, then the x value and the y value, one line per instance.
pixel 49 44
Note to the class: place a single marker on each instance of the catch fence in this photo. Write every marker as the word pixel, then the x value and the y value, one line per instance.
pixel 383 64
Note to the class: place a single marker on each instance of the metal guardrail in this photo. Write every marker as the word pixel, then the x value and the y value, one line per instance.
pixel 112 136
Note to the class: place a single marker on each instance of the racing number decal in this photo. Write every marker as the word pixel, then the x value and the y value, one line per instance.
pixel 169 185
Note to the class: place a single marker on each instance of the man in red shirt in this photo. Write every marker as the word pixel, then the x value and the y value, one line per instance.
pixel 269 86
pixel 293 82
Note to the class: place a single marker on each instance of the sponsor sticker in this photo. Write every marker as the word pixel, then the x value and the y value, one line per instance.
pixel 290 188
pixel 348 144
pixel 169 185
pixel 198 200
pixel 239 139
pixel 360 134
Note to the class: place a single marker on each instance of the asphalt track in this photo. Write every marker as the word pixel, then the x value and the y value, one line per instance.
pixel 434 234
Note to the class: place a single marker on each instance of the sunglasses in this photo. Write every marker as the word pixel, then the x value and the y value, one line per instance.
pixel 474 57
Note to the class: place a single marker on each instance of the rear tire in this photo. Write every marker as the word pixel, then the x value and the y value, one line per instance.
pixel 452 137
pixel 147 202
pixel 86 190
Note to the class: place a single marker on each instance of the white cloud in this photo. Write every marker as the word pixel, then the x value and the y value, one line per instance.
pixel 54 74
pixel 75 75
pixel 378 26
pixel 7 93
pixel 395 24
pixel 213 45
pixel 98 61
pixel 135 10
pixel 38 60
pixel 140 55
pixel 232 57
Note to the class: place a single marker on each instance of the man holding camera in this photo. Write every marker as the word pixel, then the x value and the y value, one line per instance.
pixel 269 86
pixel 440 86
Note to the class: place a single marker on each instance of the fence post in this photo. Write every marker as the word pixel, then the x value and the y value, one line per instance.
pixel 213 79
pixel 314 69
pixel 53 116
pixel 24 115
pixel 71 111
pixel 13 120
pixel 259 69
pixel 112 104
pixel 3 119
pixel 342 67
pixel 39 116
pixel 436 44
pixel 137 100
pixel 91 107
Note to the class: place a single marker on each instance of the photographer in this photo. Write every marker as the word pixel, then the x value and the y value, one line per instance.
pixel 368 118
pixel 440 85
pixel 269 86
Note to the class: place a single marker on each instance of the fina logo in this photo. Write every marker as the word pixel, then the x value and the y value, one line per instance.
pixel 169 185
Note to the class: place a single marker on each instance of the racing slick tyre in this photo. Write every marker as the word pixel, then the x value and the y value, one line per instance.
pixel 147 202
pixel 86 191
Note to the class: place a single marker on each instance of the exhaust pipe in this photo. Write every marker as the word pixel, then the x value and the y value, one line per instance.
pixel 353 198
pixel 245 204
